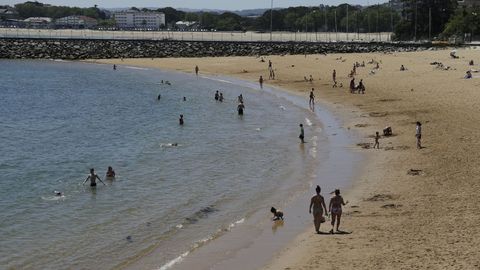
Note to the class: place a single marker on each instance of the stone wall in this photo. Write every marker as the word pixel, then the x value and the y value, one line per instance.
pixel 99 49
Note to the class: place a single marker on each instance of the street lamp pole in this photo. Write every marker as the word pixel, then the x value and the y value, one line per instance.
pixel 271 20
pixel 347 22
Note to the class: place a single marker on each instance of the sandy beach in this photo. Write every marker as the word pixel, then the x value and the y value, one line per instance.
pixel 399 220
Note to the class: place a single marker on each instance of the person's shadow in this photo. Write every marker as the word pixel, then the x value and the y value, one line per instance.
pixel 342 232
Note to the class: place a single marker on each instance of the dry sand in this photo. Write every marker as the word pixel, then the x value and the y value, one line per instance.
pixel 399 221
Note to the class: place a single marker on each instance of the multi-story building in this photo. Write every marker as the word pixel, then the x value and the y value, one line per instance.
pixel 38 22
pixel 76 22
pixel 135 19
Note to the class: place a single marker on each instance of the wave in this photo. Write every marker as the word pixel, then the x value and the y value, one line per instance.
pixel 136 68
pixel 200 243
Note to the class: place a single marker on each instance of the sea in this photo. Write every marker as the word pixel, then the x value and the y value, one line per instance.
pixel 178 188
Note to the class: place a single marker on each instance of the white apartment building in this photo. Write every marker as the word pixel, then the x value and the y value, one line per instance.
pixel 135 19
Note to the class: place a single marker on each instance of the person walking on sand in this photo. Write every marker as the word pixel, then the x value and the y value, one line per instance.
pixel 311 102
pixel 377 137
pixel 261 82
pixel 418 135
pixel 196 70
pixel 318 204
pixel 93 177
pixel 334 76
pixel 302 134
pixel 335 208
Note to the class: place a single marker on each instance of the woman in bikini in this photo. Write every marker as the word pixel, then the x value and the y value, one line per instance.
pixel 335 208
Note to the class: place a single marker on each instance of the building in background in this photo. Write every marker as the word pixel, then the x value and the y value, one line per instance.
pixel 38 22
pixel 8 13
pixel 184 25
pixel 76 22
pixel 469 3
pixel 132 19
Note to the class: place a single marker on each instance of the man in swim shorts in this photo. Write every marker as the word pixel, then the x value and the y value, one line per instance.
pixel 335 208
pixel 93 177
pixel 318 204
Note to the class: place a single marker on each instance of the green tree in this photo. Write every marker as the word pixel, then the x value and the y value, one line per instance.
pixel 416 18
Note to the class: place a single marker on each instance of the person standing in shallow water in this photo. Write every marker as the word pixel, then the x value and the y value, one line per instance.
pixel 196 70
pixel 93 177
pixel 240 108
pixel 302 134
pixel 180 121
pixel 261 82
pixel 335 208
pixel 318 204
pixel 110 173
pixel 311 102
pixel 217 96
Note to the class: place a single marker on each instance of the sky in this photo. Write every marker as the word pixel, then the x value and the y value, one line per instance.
pixel 196 4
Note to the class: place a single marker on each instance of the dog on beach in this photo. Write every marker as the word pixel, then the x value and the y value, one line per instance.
pixel 277 214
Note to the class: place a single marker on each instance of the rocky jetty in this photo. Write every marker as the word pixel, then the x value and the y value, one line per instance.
pixel 101 49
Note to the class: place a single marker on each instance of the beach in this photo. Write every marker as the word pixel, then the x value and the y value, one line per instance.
pixel 408 208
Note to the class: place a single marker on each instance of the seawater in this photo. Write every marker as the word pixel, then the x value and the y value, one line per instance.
pixel 59 119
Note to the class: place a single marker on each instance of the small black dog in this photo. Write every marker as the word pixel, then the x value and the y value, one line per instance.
pixel 277 214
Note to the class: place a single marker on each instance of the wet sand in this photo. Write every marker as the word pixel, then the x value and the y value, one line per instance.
pixel 398 220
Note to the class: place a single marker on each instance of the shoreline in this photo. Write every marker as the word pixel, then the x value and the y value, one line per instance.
pixel 397 219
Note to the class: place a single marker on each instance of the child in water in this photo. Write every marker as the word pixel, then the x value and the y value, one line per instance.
pixel 277 214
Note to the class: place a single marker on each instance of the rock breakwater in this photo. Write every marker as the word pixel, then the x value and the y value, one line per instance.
pixel 101 49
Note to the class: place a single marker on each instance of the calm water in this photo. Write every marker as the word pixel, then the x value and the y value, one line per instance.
pixel 59 119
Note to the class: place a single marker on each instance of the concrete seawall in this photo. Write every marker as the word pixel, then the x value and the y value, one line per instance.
pixel 15 48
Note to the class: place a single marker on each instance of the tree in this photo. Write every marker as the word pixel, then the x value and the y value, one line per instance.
pixel 416 18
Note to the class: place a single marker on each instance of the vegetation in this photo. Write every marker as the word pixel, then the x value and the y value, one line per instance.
pixel 36 9
pixel 419 19
pixel 423 19
pixel 464 21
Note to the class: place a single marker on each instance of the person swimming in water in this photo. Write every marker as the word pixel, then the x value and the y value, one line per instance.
pixel 180 121
pixel 110 173
pixel 93 177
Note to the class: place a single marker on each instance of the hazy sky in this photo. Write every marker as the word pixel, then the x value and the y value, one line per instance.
pixel 196 4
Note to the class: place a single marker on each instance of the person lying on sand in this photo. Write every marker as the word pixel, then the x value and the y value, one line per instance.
pixel 468 75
